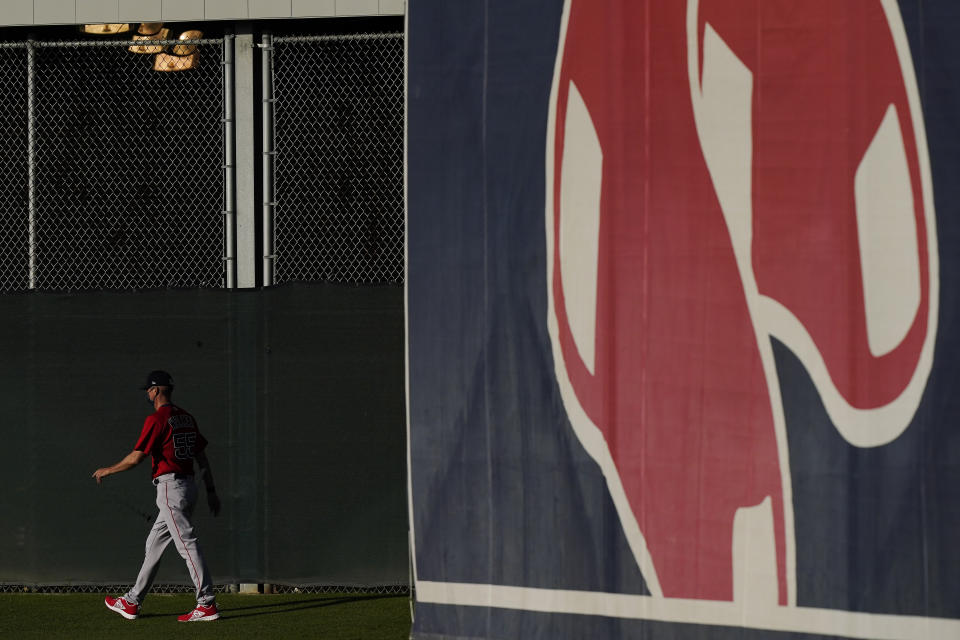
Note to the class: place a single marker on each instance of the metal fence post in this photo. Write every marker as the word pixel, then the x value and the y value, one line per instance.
pixel 229 168
pixel 244 132
pixel 269 255
pixel 31 169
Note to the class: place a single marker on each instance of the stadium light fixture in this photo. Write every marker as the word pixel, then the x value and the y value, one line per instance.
pixel 182 57
pixel 150 31
pixel 104 29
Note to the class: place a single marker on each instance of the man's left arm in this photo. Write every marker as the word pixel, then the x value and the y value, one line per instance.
pixel 131 460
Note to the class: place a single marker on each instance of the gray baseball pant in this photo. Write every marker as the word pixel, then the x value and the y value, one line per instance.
pixel 175 499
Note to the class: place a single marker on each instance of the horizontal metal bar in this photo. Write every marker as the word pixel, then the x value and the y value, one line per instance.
pixel 337 38
pixel 108 43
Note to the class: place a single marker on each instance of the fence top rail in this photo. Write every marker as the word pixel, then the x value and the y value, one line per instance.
pixel 203 41
pixel 105 43
pixel 337 38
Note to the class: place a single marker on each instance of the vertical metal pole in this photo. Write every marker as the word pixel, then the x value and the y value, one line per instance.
pixel 31 164
pixel 245 127
pixel 229 168
pixel 269 256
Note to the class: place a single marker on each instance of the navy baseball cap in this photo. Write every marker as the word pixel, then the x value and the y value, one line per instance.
pixel 158 379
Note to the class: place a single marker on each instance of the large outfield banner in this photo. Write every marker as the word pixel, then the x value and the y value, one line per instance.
pixel 684 318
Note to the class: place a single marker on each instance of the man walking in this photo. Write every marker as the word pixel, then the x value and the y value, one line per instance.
pixel 170 436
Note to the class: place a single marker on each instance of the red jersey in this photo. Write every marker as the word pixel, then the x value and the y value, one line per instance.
pixel 171 436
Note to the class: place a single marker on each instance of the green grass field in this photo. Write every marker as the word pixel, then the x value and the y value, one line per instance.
pixel 328 616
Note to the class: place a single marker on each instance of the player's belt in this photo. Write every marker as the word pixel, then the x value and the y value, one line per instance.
pixel 171 476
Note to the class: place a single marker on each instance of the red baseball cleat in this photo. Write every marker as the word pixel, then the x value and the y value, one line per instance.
pixel 127 609
pixel 203 613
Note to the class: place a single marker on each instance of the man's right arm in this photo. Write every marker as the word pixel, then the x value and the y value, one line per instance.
pixel 213 501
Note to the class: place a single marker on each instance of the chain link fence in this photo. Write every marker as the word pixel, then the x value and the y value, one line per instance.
pixel 14 177
pixel 129 180
pixel 338 158
pixel 394 589
pixel 113 171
